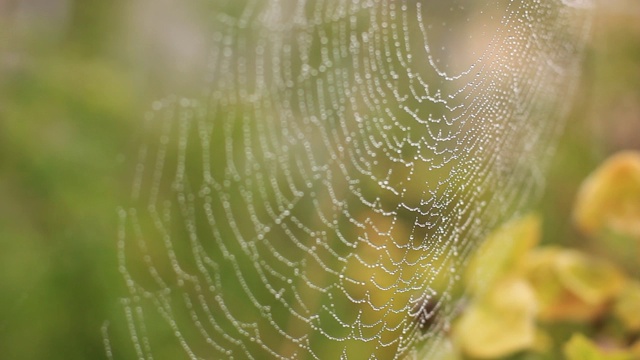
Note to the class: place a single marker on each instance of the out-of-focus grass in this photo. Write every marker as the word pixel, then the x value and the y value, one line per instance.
pixel 69 105
pixel 67 111
pixel 605 117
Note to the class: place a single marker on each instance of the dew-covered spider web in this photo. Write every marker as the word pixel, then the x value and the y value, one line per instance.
pixel 321 194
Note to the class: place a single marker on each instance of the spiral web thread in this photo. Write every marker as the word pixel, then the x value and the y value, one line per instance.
pixel 321 195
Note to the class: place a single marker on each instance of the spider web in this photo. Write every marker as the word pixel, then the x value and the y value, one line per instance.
pixel 320 196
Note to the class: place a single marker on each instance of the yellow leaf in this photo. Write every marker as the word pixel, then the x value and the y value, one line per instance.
pixel 502 252
pixel 500 323
pixel 627 307
pixel 609 199
pixel 594 281
pixel 635 349
pixel 581 348
pixel 570 285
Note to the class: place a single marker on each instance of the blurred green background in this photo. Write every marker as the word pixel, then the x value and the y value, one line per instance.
pixel 75 77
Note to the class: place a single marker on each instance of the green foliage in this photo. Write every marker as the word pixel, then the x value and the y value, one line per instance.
pixel 65 129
